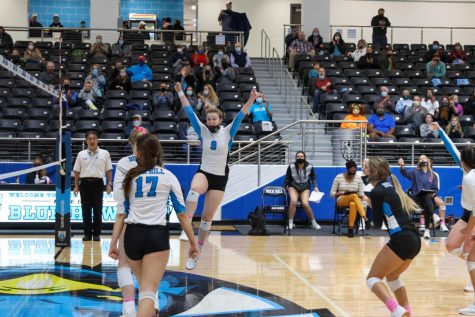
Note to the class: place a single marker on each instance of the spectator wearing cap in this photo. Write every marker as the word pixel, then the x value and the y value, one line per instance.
pixel 56 23
pixel 436 68
pixel 6 41
pixel 239 58
pixel 143 35
pixel 136 124
pixel 35 24
pixel 100 49
pixel 164 98
pixel 140 71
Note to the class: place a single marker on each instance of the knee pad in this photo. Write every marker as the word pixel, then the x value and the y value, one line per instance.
pixel 124 276
pixel 205 225
pixel 394 285
pixel 442 208
pixel 147 295
pixel 193 196
pixel 372 281
pixel 470 266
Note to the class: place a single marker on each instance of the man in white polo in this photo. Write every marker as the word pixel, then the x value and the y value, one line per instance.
pixel 92 165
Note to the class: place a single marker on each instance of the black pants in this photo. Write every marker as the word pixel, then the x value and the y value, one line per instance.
pixel 91 198
pixel 426 202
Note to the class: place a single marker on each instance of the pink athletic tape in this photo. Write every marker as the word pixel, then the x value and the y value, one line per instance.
pixel 408 308
pixel 391 304
pixel 129 299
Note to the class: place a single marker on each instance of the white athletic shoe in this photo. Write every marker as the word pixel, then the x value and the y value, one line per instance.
pixel 436 219
pixel 191 263
pixel 400 312
pixel 422 228
pixel 469 310
pixel 443 227
pixel 290 226
pixel 183 236
pixel 383 227
pixel 426 234
pixel 316 226
pixel 468 288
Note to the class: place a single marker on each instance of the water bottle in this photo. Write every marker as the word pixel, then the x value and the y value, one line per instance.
pixel 37 179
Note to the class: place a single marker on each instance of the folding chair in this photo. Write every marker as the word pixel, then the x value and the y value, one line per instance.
pixel 275 202
pixel 340 215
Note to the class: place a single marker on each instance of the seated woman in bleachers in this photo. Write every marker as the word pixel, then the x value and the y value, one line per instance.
pixel 219 58
pixel 355 114
pixel 457 54
pixel 444 111
pixel 15 57
pixel 454 106
pixel 387 62
pixel 359 52
pixel 32 54
pixel 426 130
pixel 348 189
pixel 98 79
pixel 454 129
pixel 185 77
pixel 368 61
pixel 207 97
pixel 299 179
pixel 207 77
pixel 69 97
pixel 439 203
pixel 430 103
pixel 424 187
pixel 89 97
pixel 226 75
pixel 337 45
pixel 316 39
pixel 200 57
pixel 121 48
pixel 469 106
pixel 413 115
pixel 260 110
pixel 192 98
pixel 121 81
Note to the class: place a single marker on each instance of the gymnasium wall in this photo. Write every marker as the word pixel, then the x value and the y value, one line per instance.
pixel 71 12
pixel 162 8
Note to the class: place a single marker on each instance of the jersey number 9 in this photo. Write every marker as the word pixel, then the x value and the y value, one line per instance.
pixel 153 180
pixel 214 145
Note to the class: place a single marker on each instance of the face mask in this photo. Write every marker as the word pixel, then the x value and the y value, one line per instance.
pixel 258 99
pixel 380 112
pixel 416 103
pixel 95 71
pixel 350 173
pixel 454 123
pixel 300 161
pixel 457 47
pixel 435 46
pixel 31 47
pixel 121 42
pixel 315 33
pixel 238 50
pixel 321 76
pixel 66 86
pixel 423 164
pixel 220 53
pixel 213 129
pixel 189 92
pixel 123 74
pixel 337 38
pixel 405 97
pixel 205 92
pixel 356 112
pixel 384 93
pixel 98 41
pixel 445 103
pixel 179 50
pixel 163 89
pixel 136 123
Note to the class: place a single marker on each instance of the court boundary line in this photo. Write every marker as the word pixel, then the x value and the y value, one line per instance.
pixel 312 287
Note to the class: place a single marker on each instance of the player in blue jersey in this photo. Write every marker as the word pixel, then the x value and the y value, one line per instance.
pixel 393 206
pixel 212 175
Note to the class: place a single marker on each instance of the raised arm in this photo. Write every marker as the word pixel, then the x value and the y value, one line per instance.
pixel 449 145
pixel 195 122
pixel 234 126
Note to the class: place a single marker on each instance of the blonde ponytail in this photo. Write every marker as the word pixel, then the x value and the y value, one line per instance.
pixel 407 203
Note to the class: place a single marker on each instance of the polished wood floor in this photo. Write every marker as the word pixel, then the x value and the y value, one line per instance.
pixel 313 272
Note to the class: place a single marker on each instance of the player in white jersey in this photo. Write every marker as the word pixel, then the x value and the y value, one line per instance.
pixel 146 191
pixel 124 274
pixel 212 176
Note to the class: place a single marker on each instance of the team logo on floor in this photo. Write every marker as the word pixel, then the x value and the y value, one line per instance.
pixel 64 291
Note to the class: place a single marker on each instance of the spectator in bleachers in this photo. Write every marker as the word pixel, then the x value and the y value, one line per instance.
pixel 179 57
pixel 208 97
pixel 348 190
pixel 384 101
pixel 227 76
pixel 185 78
pixel 136 125
pixel 316 39
pixel 445 112
pixel 207 77
pixel 380 25
pixel 381 124
pixel 323 85
pixel 337 45
pixel 413 115
pixel 355 114
pixel 98 79
pixel 100 49
pixel 178 27
pixel 38 177
pixel 140 71
pixel 359 52
pixel 430 103
pixel 458 55
pixel 426 129
pixel 116 68
pixel 89 98
pixel 299 179
pixel 299 46
pixel 15 57
pixel 293 35
pixel 56 22
pixel 121 48
pixel 50 76
pixel 143 33
pixel 32 54
pixel 6 41
pixel 454 129
pixel 200 57
pixel 33 23
pixel 434 49
pixel 469 106
pixel 368 61
pixel 436 68
pixel 260 110
pixel 167 37
pixel 455 107
pixel 387 62
pixel 69 97
pixel 191 96
pixel 121 81
pixel 313 73
pixel 404 102
pixel 239 58
pixel 164 98
pixel 220 58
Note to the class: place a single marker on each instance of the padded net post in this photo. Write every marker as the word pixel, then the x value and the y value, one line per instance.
pixel 63 191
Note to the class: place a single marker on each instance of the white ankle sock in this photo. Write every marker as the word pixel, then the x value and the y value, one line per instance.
pixel 128 307
pixel 314 223
pixel 291 222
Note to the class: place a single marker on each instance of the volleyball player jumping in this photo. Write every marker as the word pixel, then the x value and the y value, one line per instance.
pixel 393 206
pixel 212 176
pixel 147 189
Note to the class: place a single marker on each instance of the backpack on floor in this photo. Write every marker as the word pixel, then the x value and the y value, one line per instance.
pixel 258 223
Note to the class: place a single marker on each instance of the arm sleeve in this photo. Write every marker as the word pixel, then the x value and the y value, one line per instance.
pixel 374 21
pixel 424 131
pixel 77 165
pixel 399 106
pixel 195 122
pixel 108 162
pixel 118 193
pixel 176 196
pixel 288 177
pixel 149 74
pixel 234 126
pixel 233 64
pixel 450 146
pixel 406 174
pixel 334 188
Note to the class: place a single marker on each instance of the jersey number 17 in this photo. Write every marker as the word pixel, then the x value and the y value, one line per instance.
pixel 153 180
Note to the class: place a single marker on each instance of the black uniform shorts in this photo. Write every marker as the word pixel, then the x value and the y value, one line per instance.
pixel 140 239
pixel 406 244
